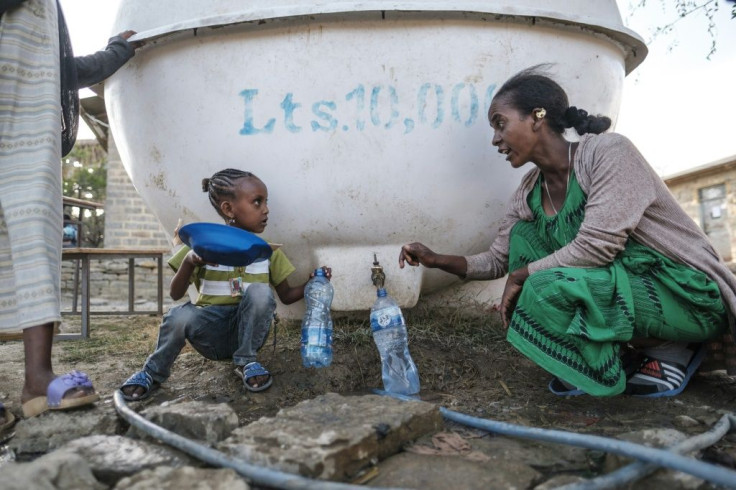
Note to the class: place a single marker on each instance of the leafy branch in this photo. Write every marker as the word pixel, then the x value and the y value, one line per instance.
pixel 683 9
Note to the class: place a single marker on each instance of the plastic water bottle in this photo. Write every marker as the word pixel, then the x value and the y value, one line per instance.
pixel 389 332
pixel 316 345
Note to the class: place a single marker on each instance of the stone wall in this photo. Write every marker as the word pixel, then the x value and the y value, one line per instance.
pixel 109 281
pixel 128 221
pixel 129 224
pixel 686 189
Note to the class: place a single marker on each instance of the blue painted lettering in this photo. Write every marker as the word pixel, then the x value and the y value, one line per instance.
pixel 289 107
pixel 408 125
pixel 326 117
pixel 393 102
pixel 489 96
pixel 359 95
pixel 422 104
pixel 455 104
pixel 249 127
pixel 383 109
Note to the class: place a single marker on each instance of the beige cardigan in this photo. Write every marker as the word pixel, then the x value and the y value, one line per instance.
pixel 625 198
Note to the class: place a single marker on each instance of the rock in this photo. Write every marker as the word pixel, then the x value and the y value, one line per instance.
pixel 54 471
pixel 332 437
pixel 710 420
pixel 663 479
pixel 53 429
pixel 196 420
pixel 725 455
pixel 560 481
pixel 114 457
pixel 542 457
pixel 167 478
pixel 119 266
pixel 407 470
pixel 659 438
pixel 684 422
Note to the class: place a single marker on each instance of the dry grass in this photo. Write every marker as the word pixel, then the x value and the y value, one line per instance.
pixel 432 330
pixel 111 337
pixel 456 328
pixel 448 329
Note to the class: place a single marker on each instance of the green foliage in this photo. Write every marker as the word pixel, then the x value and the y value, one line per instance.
pixel 85 177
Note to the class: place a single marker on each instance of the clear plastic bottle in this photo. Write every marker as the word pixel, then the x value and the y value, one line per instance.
pixel 389 332
pixel 316 346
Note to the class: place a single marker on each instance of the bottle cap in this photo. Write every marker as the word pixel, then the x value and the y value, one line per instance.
pixel 381 292
pixel 319 272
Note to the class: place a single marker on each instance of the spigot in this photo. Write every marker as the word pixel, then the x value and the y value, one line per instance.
pixel 378 277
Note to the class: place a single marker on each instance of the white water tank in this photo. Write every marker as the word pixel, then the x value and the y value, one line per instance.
pixel 365 119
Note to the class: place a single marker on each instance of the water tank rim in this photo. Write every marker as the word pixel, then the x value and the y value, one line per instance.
pixel 633 45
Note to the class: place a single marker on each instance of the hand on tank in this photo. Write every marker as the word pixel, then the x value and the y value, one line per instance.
pixel 127 35
pixel 416 254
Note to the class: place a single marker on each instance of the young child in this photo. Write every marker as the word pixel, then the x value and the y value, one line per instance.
pixel 233 312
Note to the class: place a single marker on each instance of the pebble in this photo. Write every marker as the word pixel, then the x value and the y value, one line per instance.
pixel 684 421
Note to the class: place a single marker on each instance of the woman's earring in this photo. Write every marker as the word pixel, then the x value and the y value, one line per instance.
pixel 540 113
pixel 231 221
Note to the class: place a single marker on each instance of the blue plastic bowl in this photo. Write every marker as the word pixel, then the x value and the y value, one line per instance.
pixel 224 245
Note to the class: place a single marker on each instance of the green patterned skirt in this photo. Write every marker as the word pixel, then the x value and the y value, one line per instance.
pixel 573 321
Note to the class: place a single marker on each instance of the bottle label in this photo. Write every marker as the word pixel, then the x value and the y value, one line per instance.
pixel 386 318
pixel 317 336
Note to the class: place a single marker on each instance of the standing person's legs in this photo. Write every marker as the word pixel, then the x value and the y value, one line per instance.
pixel 252 324
pixel 37 349
pixel 43 390
pixel 30 200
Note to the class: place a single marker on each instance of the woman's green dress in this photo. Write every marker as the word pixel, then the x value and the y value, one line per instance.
pixel 573 321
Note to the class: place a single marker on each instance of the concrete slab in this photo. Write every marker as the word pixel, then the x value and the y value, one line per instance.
pixel 333 437
pixel 407 470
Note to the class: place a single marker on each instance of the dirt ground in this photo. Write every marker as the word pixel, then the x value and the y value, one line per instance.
pixel 465 365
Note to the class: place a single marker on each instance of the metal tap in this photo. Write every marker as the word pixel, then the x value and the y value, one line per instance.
pixel 378 277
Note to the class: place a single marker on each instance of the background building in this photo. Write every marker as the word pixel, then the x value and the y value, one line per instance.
pixel 707 195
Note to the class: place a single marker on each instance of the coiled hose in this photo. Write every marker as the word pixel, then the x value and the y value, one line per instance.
pixel 655 457
pixel 650 458
pixel 255 474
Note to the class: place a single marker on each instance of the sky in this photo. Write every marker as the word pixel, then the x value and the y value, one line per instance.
pixel 678 106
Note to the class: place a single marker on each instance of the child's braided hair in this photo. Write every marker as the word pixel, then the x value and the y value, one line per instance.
pixel 222 185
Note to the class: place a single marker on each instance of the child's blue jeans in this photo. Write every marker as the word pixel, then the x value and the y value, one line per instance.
pixel 216 332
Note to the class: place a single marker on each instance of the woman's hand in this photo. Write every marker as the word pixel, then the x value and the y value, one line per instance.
pixel 511 292
pixel 416 254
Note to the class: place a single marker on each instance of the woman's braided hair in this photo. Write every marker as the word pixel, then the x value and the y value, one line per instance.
pixel 222 185
pixel 532 89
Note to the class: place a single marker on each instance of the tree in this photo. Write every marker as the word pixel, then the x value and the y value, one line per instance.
pixel 683 9
pixel 85 177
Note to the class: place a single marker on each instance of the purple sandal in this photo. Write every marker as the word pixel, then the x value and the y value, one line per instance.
pixel 54 399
